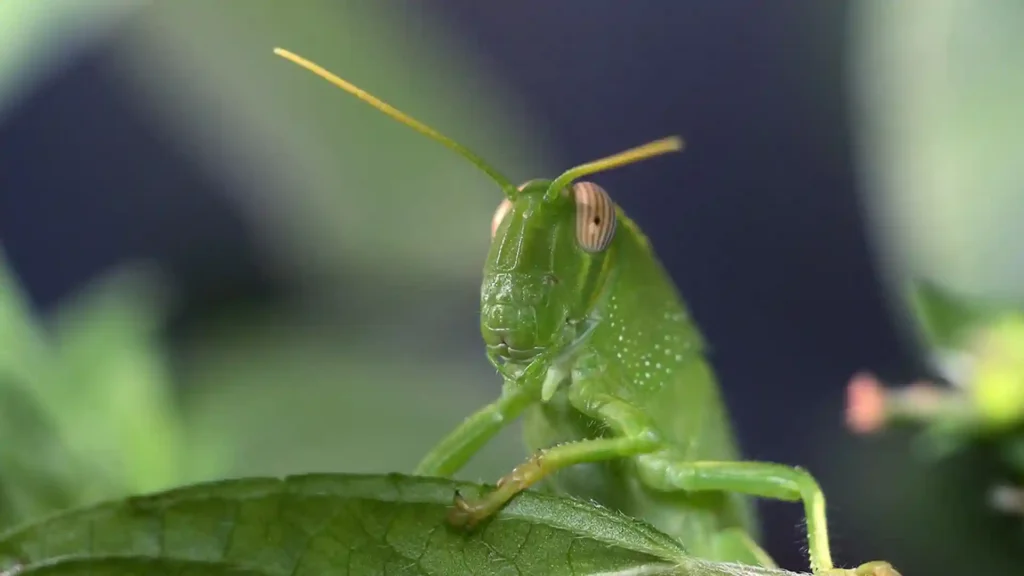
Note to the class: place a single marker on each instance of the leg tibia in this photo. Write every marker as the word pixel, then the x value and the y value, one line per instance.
pixel 452 453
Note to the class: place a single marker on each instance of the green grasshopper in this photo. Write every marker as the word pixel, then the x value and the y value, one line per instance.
pixel 597 348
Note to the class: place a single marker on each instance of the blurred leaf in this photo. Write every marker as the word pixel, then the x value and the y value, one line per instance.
pixel 946 320
pixel 117 393
pixel 36 474
pixel 39 472
pixel 318 524
pixel 937 90
pixel 23 343
pixel 997 389
pixel 86 411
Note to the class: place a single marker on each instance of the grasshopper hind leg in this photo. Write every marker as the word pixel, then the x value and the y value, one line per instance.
pixel 763 480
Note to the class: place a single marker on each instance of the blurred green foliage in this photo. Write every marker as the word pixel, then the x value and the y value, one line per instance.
pixel 379 357
pixel 86 412
pixel 983 343
pixel 936 90
pixel 938 126
pixel 964 436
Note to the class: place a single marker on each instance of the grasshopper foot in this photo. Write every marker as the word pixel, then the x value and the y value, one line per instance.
pixel 461 515
pixel 466 514
pixel 877 568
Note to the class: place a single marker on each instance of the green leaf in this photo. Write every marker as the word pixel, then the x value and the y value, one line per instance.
pixel 134 566
pixel 344 524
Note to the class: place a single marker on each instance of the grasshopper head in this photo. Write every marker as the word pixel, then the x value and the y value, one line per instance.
pixel 545 268
pixel 549 258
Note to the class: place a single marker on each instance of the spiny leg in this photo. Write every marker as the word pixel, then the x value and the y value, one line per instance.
pixel 468 513
pixel 759 479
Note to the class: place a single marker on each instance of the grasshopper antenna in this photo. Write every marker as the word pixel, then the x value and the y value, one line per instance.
pixel 633 155
pixel 506 185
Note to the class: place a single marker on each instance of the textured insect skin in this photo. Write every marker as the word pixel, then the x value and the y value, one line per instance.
pixel 598 351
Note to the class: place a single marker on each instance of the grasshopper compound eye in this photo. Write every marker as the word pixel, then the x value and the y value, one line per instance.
pixel 595 216
pixel 499 215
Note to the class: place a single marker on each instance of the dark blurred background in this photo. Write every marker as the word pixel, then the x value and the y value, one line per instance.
pixel 323 261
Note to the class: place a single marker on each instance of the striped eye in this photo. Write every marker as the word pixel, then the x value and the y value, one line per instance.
pixel 499 215
pixel 595 216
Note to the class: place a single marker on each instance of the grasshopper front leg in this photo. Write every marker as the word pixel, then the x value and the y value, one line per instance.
pixel 450 454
